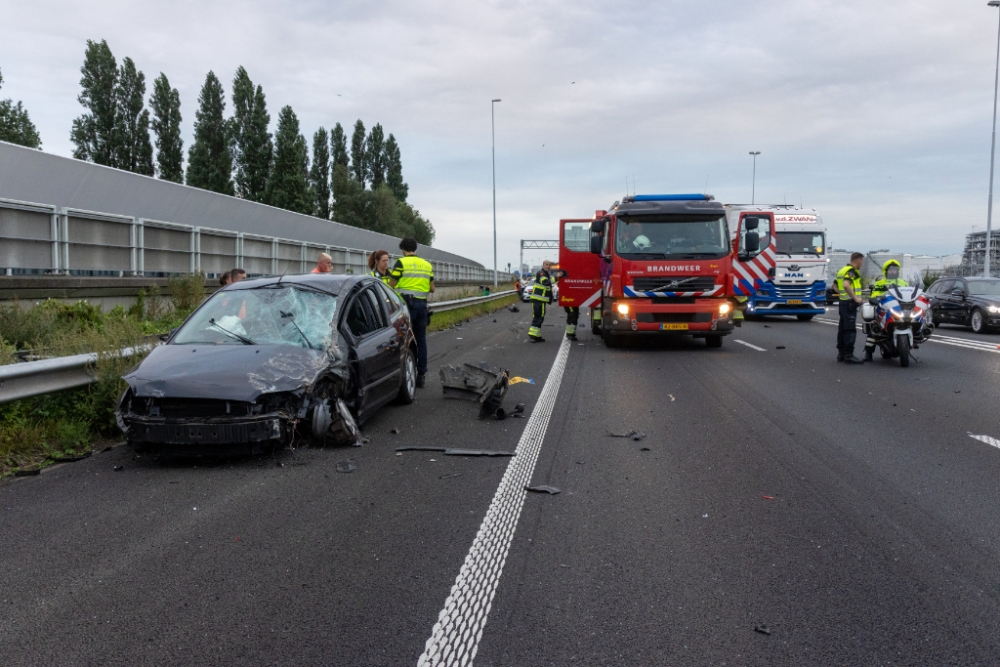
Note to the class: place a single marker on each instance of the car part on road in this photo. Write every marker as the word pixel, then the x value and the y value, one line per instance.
pixel 551 490
pixel 346 466
pixel 633 434
pixel 762 629
pixel 454 452
pixel 471 383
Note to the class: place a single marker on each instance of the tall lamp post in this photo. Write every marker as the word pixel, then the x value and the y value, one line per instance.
pixel 493 135
pixel 993 146
pixel 753 185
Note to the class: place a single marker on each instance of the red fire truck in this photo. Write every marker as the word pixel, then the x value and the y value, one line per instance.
pixel 664 265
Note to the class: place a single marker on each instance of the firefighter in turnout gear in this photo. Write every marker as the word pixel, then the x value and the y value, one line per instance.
pixel 890 278
pixel 848 283
pixel 413 279
pixel 541 296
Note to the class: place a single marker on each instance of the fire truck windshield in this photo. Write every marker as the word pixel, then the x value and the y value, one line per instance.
pixel 671 237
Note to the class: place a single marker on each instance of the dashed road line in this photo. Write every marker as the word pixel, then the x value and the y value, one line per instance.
pixel 987 439
pixel 752 347
pixel 454 640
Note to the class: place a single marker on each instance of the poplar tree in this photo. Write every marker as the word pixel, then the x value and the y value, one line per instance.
pixel 338 146
pixel 375 156
pixel 210 162
pixel 253 149
pixel 359 166
pixel 15 125
pixel 394 170
pixel 319 174
pixel 93 133
pixel 166 123
pixel 288 186
pixel 133 150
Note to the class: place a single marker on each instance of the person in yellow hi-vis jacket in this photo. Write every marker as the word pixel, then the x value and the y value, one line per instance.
pixel 541 296
pixel 413 279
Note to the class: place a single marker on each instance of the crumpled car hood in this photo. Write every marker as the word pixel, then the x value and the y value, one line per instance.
pixel 226 372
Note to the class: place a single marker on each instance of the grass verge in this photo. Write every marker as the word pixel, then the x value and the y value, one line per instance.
pixel 452 317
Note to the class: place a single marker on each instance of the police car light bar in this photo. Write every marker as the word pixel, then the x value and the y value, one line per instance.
pixel 686 197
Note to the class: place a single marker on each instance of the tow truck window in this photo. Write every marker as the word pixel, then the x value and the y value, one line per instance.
pixel 799 243
pixel 671 237
pixel 576 236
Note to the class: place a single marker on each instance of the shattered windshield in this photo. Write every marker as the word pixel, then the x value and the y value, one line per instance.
pixel 671 237
pixel 273 315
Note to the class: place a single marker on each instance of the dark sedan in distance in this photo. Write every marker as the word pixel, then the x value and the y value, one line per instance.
pixel 972 302
pixel 265 360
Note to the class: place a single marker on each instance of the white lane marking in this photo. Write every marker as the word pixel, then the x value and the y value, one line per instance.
pixel 943 340
pixel 987 439
pixel 752 347
pixel 455 637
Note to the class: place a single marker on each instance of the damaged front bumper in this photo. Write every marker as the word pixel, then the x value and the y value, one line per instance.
pixel 247 434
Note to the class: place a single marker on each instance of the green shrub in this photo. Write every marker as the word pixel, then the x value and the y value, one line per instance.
pixel 187 292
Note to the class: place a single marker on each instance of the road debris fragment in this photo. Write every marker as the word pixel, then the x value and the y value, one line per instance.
pixel 346 466
pixel 454 474
pixel 551 490
pixel 518 380
pixel 470 383
pixel 450 451
pixel 119 468
pixel 672 399
pixel 644 449
pixel 780 347
pixel 514 309
pixel 394 431
pixel 762 629
pixel 633 434
pixel 768 497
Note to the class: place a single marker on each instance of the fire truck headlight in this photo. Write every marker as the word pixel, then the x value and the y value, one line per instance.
pixel 724 309
pixel 623 309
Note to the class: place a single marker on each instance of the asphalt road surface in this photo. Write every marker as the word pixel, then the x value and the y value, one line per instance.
pixel 782 509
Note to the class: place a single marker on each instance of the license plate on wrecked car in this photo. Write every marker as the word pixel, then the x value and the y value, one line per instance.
pixel 674 327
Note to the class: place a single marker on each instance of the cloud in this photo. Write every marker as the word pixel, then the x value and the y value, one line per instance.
pixel 878 114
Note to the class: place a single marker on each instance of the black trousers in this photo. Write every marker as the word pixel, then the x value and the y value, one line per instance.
pixel 572 315
pixel 847 330
pixel 538 314
pixel 418 320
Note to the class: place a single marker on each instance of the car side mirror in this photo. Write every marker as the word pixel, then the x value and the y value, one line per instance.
pixel 167 336
pixel 958 291
pixel 595 243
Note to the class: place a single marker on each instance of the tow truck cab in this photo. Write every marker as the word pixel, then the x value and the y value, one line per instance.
pixel 667 265
pixel 797 283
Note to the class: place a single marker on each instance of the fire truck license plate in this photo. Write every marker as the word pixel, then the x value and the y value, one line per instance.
pixel 795 301
pixel 673 327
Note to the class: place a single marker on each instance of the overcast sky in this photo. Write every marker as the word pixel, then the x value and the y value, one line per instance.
pixel 876 113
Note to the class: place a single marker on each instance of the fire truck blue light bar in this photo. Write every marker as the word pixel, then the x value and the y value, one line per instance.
pixel 669 197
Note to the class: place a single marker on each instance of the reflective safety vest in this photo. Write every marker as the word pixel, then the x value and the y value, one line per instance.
pixel 541 289
pixel 883 284
pixel 375 274
pixel 414 279
pixel 848 273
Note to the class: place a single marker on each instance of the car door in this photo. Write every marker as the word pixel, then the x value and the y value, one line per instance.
pixel 963 304
pixel 942 302
pixel 370 339
pixel 385 384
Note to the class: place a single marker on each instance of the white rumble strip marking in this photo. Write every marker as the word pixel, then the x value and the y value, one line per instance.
pixel 454 640
pixel 752 347
pixel 987 439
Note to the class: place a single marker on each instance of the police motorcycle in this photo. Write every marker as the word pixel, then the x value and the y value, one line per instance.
pixel 897 321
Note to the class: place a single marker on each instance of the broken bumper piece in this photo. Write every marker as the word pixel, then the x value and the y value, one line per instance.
pixel 471 383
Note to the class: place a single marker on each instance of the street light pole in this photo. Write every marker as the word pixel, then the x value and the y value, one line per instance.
pixel 753 186
pixel 493 135
pixel 993 147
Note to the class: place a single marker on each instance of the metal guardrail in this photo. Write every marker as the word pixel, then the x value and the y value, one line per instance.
pixel 35 378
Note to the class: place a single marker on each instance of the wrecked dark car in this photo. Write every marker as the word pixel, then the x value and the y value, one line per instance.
pixel 268 360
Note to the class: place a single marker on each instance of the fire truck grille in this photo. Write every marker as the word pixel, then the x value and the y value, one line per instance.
pixel 674 284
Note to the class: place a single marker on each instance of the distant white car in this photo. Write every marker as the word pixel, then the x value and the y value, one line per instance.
pixel 526 293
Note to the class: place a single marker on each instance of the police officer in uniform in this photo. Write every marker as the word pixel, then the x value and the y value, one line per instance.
pixel 890 277
pixel 413 279
pixel 848 283
pixel 541 296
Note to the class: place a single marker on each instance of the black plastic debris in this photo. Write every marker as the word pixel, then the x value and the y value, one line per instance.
pixel 119 468
pixel 644 449
pixel 346 466
pixel 515 309
pixel 420 448
pixel 454 474
pixel 633 434
pixel 394 431
pixel 762 629
pixel 480 384
pixel 551 490
pixel 780 347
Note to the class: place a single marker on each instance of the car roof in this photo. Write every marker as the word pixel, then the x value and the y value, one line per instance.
pixel 331 283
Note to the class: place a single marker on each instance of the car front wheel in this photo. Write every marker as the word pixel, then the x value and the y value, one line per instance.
pixel 408 384
pixel 977 321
